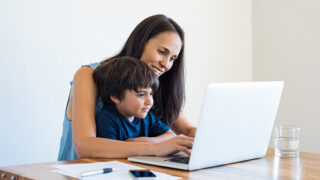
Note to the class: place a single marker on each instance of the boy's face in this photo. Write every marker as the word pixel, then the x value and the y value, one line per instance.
pixel 135 104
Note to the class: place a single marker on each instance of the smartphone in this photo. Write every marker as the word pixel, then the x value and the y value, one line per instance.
pixel 144 174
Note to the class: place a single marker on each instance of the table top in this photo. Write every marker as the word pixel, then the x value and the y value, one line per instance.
pixel 306 166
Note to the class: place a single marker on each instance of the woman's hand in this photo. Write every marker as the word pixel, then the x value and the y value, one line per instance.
pixel 173 145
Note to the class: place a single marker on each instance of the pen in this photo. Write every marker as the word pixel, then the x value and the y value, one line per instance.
pixel 95 172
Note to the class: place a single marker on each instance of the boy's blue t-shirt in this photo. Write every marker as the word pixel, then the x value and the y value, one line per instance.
pixel 110 124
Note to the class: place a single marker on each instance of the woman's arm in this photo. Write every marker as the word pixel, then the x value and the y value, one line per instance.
pixel 84 97
pixel 183 126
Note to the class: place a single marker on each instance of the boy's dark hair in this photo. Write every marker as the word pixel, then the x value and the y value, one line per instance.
pixel 170 97
pixel 115 76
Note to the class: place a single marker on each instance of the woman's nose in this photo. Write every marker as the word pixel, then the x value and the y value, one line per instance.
pixel 165 64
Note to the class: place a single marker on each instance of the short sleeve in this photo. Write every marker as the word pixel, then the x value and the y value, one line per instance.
pixel 156 126
pixel 106 126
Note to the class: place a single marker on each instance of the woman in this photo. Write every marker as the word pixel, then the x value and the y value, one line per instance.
pixel 158 42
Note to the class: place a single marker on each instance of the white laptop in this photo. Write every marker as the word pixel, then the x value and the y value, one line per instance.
pixel 235 125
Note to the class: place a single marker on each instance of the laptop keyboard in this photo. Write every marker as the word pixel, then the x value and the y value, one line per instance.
pixel 184 160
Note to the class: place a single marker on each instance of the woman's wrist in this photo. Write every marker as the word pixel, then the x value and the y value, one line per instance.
pixel 192 132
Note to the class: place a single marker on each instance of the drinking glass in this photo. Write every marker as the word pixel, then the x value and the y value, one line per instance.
pixel 286 141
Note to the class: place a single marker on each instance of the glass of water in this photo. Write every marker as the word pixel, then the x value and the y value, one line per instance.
pixel 286 142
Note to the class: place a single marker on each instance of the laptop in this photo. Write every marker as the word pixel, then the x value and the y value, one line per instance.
pixel 235 125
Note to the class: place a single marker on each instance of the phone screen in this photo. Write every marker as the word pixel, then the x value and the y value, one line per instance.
pixel 142 173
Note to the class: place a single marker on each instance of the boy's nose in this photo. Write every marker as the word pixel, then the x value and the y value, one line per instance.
pixel 149 100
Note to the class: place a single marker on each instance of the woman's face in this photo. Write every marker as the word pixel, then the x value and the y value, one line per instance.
pixel 161 51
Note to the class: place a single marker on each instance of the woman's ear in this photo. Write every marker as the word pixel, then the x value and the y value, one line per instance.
pixel 115 100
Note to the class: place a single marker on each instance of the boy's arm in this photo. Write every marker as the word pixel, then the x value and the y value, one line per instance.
pixel 158 131
pixel 163 137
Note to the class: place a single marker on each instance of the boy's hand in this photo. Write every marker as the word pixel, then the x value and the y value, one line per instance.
pixel 173 145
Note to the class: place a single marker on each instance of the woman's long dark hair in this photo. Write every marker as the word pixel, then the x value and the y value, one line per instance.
pixel 170 97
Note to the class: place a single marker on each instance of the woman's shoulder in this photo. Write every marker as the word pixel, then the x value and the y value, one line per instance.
pixel 86 71
pixel 93 66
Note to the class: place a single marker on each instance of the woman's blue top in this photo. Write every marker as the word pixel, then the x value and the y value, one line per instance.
pixel 66 151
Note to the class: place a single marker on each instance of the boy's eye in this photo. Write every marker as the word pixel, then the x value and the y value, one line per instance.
pixel 140 94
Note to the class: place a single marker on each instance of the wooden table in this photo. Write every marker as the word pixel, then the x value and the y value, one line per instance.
pixel 306 166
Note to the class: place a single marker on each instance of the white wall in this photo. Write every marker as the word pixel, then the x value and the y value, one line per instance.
pixel 42 44
pixel 219 50
pixel 286 46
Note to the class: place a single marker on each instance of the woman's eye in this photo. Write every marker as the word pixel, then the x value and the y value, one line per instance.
pixel 172 59
pixel 161 52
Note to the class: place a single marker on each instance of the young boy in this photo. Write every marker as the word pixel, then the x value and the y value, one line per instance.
pixel 126 85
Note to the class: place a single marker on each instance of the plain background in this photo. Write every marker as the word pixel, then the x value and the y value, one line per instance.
pixel 43 43
pixel 286 46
